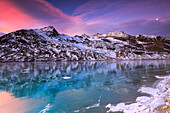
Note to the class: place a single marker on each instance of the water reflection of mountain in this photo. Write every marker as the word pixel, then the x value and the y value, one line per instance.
pixel 45 78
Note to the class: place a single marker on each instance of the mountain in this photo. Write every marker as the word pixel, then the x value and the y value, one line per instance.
pixel 1 33
pixel 46 44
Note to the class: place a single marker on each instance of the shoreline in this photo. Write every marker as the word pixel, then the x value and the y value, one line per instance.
pixel 158 101
pixel 114 60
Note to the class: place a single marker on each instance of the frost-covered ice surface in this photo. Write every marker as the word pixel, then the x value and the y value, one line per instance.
pixel 91 106
pixel 146 104
pixel 47 108
pixel 78 86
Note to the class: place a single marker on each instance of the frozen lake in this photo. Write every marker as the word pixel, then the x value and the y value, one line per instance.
pixel 68 87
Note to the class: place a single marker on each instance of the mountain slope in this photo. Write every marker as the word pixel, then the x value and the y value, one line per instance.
pixel 46 44
pixel 43 44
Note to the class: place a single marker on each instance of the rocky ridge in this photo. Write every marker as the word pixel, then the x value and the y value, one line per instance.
pixel 46 44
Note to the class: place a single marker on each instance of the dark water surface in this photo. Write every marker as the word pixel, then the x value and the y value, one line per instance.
pixel 67 87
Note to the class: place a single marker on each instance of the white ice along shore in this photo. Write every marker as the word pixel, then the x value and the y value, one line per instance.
pixel 146 104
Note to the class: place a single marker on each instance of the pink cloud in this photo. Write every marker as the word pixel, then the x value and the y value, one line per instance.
pixel 13 17
pixel 94 22
pixel 120 11
pixel 10 104
pixel 48 8
pixel 90 17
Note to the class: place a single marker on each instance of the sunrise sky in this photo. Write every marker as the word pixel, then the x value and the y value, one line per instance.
pixel 151 17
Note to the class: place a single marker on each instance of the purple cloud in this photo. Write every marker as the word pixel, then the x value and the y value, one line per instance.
pixel 131 16
pixel 148 27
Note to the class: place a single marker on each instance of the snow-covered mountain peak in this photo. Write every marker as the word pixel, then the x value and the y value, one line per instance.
pixel 85 36
pixel 48 28
pixel 49 31
pixel 117 34
pixel 111 34
pixel 99 35
pixel 148 36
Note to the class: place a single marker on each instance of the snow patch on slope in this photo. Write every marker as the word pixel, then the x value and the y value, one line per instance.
pixel 117 34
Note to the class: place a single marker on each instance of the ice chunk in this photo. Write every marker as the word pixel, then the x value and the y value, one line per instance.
pixel 66 77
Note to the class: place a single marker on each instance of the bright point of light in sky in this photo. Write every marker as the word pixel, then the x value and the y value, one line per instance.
pixel 157 18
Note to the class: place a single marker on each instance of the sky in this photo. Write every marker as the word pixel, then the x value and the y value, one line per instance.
pixel 76 17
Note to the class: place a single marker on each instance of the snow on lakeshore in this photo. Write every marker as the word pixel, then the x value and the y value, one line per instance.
pixel 146 104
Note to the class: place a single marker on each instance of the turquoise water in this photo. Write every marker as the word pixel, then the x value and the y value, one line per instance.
pixel 68 87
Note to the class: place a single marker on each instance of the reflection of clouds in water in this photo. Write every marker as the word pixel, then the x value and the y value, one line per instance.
pixel 9 104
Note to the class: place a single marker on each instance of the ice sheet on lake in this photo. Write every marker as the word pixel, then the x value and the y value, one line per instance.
pixel 146 104
pixel 47 108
